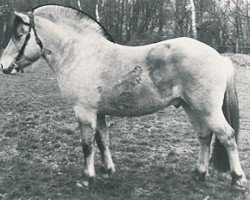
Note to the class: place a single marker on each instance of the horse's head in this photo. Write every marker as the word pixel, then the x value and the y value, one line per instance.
pixel 24 47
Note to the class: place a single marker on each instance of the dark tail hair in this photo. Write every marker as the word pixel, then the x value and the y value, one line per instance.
pixel 231 112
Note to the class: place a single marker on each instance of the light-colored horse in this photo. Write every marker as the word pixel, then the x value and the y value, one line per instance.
pixel 99 77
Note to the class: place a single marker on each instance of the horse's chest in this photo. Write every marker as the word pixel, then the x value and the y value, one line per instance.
pixel 80 90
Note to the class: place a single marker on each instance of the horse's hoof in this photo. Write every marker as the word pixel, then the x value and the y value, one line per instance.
pixel 199 176
pixel 111 171
pixel 239 182
pixel 87 184
pixel 238 188
pixel 105 176
pixel 108 173
pixel 84 185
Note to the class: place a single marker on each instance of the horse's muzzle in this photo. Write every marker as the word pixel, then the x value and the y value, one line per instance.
pixel 6 71
pixel 11 69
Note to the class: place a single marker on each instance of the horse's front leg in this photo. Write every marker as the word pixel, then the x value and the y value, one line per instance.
pixel 87 125
pixel 102 140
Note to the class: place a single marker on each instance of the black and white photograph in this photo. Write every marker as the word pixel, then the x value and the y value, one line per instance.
pixel 124 99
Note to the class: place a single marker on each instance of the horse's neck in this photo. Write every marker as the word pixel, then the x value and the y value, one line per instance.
pixel 63 46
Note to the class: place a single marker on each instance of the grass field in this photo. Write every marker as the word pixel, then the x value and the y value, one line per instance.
pixel 41 157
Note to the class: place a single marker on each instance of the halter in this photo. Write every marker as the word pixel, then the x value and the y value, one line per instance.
pixel 31 24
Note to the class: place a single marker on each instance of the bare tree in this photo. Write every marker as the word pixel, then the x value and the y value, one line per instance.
pixel 79 4
pixel 181 17
pixel 97 11
pixel 193 19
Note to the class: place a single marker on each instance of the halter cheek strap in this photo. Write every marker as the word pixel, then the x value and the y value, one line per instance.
pixel 31 24
pixel 20 54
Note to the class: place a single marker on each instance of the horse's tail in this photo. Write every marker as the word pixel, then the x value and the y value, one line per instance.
pixel 230 109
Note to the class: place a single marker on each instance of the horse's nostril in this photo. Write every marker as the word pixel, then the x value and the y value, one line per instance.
pixel 2 69
pixel 5 71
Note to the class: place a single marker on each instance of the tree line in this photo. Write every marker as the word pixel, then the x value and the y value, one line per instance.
pixel 222 24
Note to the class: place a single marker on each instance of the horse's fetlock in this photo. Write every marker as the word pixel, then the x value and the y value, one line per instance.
pixel 87 174
pixel 236 177
pixel 239 181
pixel 200 175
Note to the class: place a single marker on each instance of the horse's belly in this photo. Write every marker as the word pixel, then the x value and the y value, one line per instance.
pixel 138 101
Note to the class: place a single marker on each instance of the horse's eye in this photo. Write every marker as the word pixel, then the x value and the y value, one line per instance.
pixel 19 35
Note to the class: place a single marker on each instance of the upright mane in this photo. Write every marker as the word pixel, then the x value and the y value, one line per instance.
pixel 72 17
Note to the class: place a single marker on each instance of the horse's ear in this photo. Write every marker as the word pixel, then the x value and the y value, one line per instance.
pixel 18 19
pixel 21 17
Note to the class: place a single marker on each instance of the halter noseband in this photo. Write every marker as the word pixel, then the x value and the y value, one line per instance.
pixel 31 24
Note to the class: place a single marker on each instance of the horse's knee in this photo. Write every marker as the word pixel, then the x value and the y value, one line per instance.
pixel 87 134
pixel 87 125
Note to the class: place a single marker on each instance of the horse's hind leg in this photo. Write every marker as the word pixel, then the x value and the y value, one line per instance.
pixel 87 125
pixel 204 135
pixel 102 140
pixel 226 135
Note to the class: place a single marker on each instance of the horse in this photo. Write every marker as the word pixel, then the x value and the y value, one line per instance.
pixel 99 77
